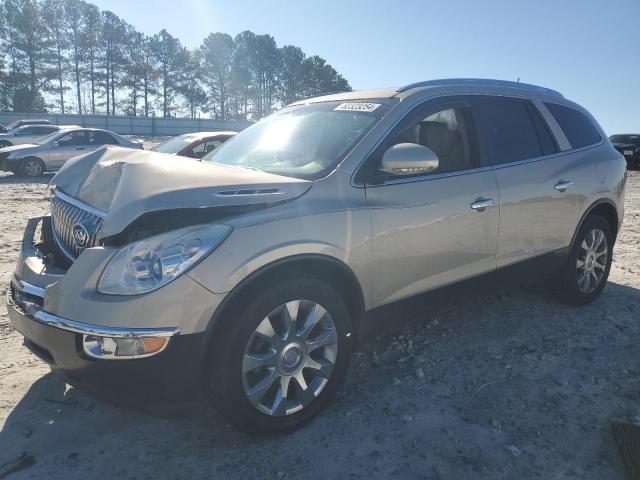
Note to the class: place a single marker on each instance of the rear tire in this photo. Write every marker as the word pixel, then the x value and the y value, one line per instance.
pixel 585 274
pixel 260 326
pixel 32 167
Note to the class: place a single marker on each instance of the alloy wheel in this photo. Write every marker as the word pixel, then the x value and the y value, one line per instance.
pixel 33 168
pixel 289 358
pixel 592 260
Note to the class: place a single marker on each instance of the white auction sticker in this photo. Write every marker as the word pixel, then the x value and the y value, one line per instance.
pixel 357 107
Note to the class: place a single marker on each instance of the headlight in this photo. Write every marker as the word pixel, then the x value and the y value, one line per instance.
pixel 149 264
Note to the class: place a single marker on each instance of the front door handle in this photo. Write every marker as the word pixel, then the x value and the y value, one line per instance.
pixel 80 148
pixel 562 186
pixel 483 203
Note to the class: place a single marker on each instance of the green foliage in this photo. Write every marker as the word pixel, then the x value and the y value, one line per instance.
pixel 83 60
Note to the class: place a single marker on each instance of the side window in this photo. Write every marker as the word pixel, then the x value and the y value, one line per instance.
pixel 44 130
pixel 204 148
pixel 64 140
pixel 576 125
pixel 73 139
pixel 509 129
pixel 448 132
pixel 27 131
pixel 101 138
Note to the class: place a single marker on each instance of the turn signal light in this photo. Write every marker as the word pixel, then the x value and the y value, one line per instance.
pixel 122 348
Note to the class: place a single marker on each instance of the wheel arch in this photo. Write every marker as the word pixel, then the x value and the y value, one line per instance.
pixel 604 208
pixel 335 272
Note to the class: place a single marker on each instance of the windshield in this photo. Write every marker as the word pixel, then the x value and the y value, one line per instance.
pixel 50 137
pixel 302 141
pixel 175 145
pixel 624 138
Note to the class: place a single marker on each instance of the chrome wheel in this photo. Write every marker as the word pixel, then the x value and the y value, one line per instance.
pixel 592 260
pixel 289 358
pixel 33 168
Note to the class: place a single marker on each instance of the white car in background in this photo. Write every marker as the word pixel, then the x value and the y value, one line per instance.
pixel 51 152
pixel 29 134
pixel 25 121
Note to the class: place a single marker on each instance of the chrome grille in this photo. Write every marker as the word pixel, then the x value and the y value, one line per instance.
pixel 67 212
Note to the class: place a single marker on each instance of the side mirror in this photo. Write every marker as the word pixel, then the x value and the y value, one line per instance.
pixel 409 159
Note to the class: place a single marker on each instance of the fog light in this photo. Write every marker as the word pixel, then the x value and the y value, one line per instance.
pixel 122 347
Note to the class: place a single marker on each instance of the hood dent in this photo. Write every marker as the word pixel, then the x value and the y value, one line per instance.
pixel 130 183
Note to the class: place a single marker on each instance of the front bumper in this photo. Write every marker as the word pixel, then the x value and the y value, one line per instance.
pixel 8 165
pixel 44 302
pixel 168 379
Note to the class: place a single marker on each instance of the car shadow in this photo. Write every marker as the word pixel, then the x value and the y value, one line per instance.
pixel 65 429
pixel 10 179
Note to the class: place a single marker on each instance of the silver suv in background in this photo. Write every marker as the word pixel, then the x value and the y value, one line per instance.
pixel 29 134
pixel 27 121
pixel 49 153
pixel 243 280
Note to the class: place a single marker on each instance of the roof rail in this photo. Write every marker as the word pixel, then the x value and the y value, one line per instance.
pixel 480 82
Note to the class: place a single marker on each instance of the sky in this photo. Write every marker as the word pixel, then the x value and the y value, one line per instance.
pixel 589 50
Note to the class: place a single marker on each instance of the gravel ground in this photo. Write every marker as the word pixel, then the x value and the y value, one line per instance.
pixel 510 386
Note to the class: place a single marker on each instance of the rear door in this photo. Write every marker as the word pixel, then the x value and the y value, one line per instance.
pixel 538 203
pixel 429 229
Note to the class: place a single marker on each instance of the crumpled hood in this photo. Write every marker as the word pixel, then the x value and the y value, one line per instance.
pixel 126 183
pixel 15 148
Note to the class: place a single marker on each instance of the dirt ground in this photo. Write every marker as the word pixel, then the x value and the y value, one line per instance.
pixel 510 386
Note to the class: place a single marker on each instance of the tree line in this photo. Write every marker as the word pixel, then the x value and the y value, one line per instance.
pixel 68 56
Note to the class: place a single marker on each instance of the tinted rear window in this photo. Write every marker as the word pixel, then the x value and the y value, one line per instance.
pixel 576 125
pixel 509 129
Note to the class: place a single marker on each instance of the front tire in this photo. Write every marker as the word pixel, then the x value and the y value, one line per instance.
pixel 32 167
pixel 585 275
pixel 280 355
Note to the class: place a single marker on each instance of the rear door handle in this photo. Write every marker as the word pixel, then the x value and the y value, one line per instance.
pixel 562 186
pixel 483 203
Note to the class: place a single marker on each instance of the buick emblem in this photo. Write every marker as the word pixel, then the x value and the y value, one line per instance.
pixel 80 235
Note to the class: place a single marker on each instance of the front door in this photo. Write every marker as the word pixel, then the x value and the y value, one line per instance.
pixel 67 146
pixel 433 229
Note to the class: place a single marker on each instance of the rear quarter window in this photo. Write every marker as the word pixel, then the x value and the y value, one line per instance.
pixel 577 127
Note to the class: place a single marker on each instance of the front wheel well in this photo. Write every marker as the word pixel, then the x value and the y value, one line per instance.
pixel 328 269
